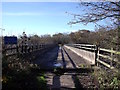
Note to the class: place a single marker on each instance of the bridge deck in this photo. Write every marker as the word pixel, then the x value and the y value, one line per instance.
pixel 64 58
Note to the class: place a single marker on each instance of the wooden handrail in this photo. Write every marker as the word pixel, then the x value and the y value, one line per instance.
pixel 111 57
pixel 113 51
pixel 84 44
pixel 86 48
pixel 105 56
pixel 24 49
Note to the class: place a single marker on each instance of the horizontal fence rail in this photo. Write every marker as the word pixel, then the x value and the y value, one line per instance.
pixel 85 51
pixel 109 58
pixel 24 49
pixel 84 46
pixel 106 57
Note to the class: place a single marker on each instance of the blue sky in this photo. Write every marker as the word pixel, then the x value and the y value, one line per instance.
pixel 40 18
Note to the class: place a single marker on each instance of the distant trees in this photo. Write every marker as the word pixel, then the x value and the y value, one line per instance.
pixel 80 36
pixel 47 39
pixel 102 37
pixel 35 39
pixel 61 38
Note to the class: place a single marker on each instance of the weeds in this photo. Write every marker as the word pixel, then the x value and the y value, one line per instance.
pixel 107 79
pixel 18 74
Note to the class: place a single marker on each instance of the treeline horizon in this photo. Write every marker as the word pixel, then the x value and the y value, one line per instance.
pixel 103 37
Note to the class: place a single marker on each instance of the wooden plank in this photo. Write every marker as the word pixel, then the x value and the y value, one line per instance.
pixel 115 52
pixel 105 56
pixel 87 48
pixel 10 48
pixel 11 54
pixel 84 45
pixel 107 65
pixel 108 57
pixel 112 58
pixel 116 60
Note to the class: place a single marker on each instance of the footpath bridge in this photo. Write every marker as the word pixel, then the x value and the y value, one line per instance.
pixel 68 66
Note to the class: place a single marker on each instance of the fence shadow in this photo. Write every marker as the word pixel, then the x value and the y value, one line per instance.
pixel 63 59
pixel 56 83
pixel 70 58
pixel 48 59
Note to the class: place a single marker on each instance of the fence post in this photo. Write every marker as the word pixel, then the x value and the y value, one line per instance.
pixel 39 46
pixel 111 63
pixel 25 48
pixel 3 51
pixel 32 48
pixel 11 49
pixel 22 49
pixel 98 51
pixel 36 47
pixel 17 52
pixel 17 49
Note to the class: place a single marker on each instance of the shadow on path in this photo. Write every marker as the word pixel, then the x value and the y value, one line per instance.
pixel 63 59
pixel 70 58
pixel 77 82
pixel 47 60
pixel 74 77
pixel 56 83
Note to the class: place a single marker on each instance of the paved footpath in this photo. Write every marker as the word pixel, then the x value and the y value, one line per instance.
pixel 67 59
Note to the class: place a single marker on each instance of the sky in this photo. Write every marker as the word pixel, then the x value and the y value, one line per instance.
pixel 40 18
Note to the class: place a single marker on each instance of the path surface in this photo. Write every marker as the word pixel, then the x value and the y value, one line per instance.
pixel 65 58
pixel 47 60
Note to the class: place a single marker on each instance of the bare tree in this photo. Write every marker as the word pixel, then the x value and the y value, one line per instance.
pixel 99 11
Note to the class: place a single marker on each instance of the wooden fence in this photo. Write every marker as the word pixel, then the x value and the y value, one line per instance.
pixel 24 49
pixel 106 57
